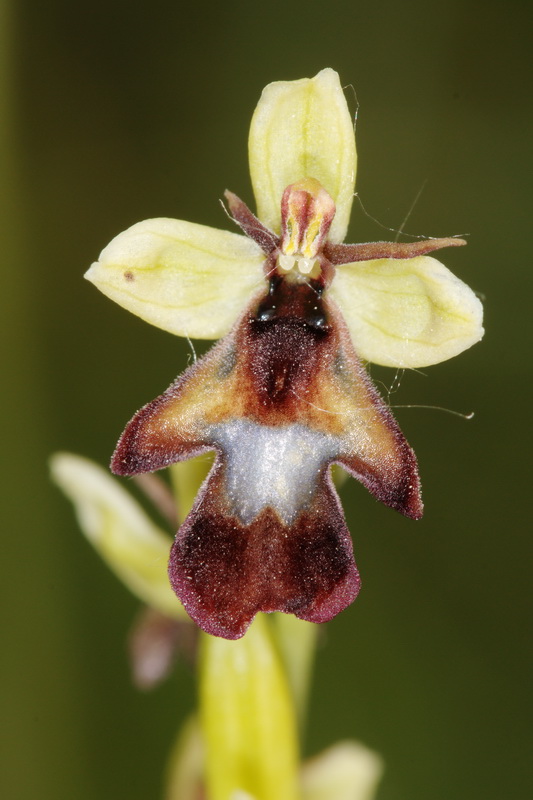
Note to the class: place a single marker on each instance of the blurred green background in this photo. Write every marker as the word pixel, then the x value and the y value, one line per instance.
pixel 113 112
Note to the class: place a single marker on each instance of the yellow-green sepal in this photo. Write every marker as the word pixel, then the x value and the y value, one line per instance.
pixel 407 312
pixel 188 279
pixel 303 129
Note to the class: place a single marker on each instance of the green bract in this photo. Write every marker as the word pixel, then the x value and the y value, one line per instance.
pixel 116 525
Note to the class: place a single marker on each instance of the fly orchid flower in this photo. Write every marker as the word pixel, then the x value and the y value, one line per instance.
pixel 284 394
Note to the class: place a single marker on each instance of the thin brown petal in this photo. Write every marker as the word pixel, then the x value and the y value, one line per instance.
pixel 250 225
pixel 370 251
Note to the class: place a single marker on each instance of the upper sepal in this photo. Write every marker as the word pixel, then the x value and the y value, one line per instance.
pixel 303 129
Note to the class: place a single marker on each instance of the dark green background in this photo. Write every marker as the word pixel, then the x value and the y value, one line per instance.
pixel 119 111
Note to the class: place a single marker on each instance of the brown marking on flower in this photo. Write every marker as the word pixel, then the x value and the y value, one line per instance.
pixel 172 427
pixel 225 572
pixel 287 368
pixel 129 276
pixel 374 449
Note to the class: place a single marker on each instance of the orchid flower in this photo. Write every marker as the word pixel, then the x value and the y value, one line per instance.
pixel 284 394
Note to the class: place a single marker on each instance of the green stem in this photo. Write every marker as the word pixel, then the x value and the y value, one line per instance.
pixel 297 640
pixel 248 718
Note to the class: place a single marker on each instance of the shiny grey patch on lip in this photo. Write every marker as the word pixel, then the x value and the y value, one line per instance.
pixel 271 466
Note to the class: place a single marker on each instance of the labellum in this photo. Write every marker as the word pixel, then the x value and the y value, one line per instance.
pixel 280 398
